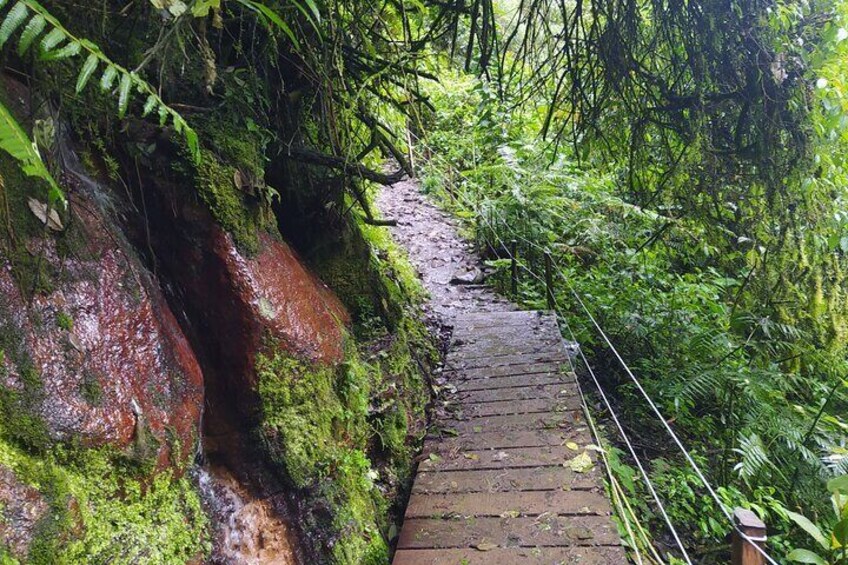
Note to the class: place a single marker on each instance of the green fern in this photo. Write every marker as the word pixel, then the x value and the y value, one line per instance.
pixel 59 43
pixel 753 457
pixel 15 142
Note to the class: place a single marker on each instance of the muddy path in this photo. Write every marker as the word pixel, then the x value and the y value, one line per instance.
pixel 449 267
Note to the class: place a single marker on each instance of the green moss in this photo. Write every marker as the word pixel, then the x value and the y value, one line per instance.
pixel 91 389
pixel 214 182
pixel 101 511
pixel 19 405
pixel 64 321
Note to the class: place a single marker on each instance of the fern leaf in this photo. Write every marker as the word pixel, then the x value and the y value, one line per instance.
pixel 51 40
pixel 193 143
pixel 124 95
pixel 72 49
pixel 16 16
pixel 87 70
pixel 149 105
pixel 32 30
pixel 272 16
pixel 108 78
pixel 15 142
pixel 163 116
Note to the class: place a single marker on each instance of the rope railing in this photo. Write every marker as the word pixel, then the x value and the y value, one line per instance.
pixel 547 280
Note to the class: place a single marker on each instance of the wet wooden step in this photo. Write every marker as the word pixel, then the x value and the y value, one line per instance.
pixel 509 531
pixel 513 556
pixel 505 479
pixel 513 422
pixel 450 440
pixel 538 392
pixel 548 456
pixel 532 503
pixel 513 381
pixel 505 371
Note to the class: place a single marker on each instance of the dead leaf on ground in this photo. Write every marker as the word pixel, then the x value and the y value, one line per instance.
pixel 581 463
pixel 46 215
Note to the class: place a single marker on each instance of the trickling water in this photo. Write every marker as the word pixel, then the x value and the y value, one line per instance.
pixel 245 529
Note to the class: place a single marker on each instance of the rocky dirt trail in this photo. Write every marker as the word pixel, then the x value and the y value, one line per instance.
pixel 448 265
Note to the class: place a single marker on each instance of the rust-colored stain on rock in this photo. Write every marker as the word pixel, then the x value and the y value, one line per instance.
pixel 124 369
pixel 285 299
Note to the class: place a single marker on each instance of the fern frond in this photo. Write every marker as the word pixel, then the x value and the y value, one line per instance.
pixel 753 456
pixel 108 77
pixel 124 95
pixel 31 31
pixel 60 43
pixel 15 142
pixel 87 70
pixel 16 16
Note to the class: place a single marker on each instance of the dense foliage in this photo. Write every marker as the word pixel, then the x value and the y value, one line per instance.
pixel 685 163
pixel 694 200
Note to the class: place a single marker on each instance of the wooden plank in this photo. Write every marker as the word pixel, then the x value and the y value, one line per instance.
pixel 513 556
pixel 510 531
pixel 548 456
pixel 457 362
pixel 506 407
pixel 512 422
pixel 485 319
pixel 489 350
pixel 494 480
pixel 450 440
pixel 496 503
pixel 514 381
pixel 506 370
pixel 550 392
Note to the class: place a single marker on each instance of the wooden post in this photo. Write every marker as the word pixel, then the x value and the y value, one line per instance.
pixel 549 281
pixel 513 253
pixel 743 552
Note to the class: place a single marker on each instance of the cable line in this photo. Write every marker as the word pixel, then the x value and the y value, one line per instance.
pixel 690 460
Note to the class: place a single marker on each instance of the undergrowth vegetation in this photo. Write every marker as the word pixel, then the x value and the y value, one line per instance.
pixel 732 315
pixel 684 163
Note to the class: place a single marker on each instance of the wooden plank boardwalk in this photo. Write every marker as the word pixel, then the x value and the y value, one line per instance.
pixel 496 485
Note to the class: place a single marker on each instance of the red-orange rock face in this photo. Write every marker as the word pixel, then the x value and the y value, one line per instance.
pixel 288 302
pixel 114 365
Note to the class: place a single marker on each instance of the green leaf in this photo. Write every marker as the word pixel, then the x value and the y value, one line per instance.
pixel 200 9
pixel 52 39
pixel 193 144
pixel 32 30
pixel 312 14
pixel 15 142
pixel 16 16
pixel 87 70
pixel 124 95
pixel 810 528
pixel 273 17
pixel 839 484
pixel 805 556
pixel 149 105
pixel 840 533
pixel 70 50
pixel 163 116
pixel 108 78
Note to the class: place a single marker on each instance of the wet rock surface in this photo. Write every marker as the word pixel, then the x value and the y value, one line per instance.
pixel 100 358
pixel 438 253
pixel 21 508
